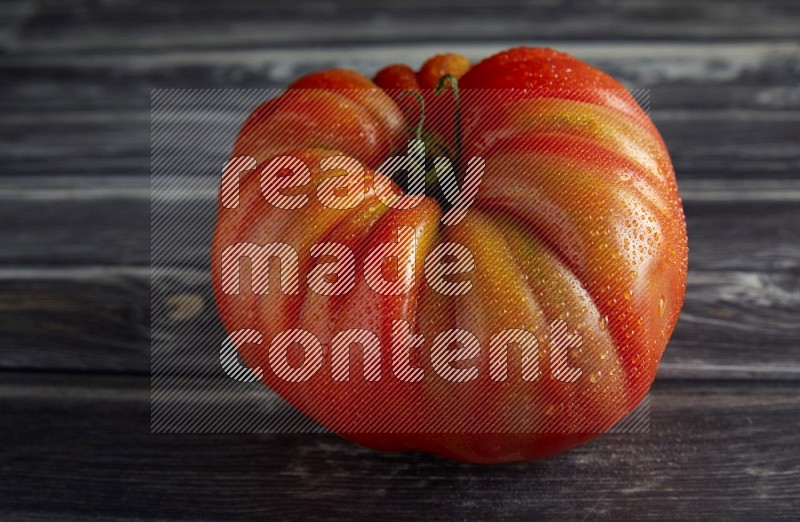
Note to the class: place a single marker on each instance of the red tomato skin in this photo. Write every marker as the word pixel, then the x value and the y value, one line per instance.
pixel 640 309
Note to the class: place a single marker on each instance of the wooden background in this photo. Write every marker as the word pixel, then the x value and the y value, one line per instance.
pixel 75 441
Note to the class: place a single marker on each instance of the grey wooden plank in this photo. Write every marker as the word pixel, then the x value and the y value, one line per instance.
pixel 80 447
pixel 734 325
pixel 756 187
pixel 77 98
pixel 749 225
pixel 137 25
pixel 737 325
pixel 639 63
pixel 740 317
pixel 13 16
pixel 76 280
pixel 91 319
pixel 724 108
pixel 119 81
pixel 755 136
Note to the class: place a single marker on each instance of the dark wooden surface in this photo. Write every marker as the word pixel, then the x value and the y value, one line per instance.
pixel 75 441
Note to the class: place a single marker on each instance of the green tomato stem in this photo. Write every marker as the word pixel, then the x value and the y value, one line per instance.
pixel 449 78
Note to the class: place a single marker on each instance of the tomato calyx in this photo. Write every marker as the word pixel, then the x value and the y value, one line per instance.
pixel 419 127
pixel 435 145
pixel 440 88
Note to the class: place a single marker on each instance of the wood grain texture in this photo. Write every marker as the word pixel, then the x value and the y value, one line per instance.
pixel 734 324
pixel 87 25
pixel 754 141
pixel 89 220
pixel 715 450
pixel 77 287
pixel 75 283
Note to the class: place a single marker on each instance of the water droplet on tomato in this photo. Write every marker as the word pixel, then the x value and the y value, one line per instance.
pixel 603 322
